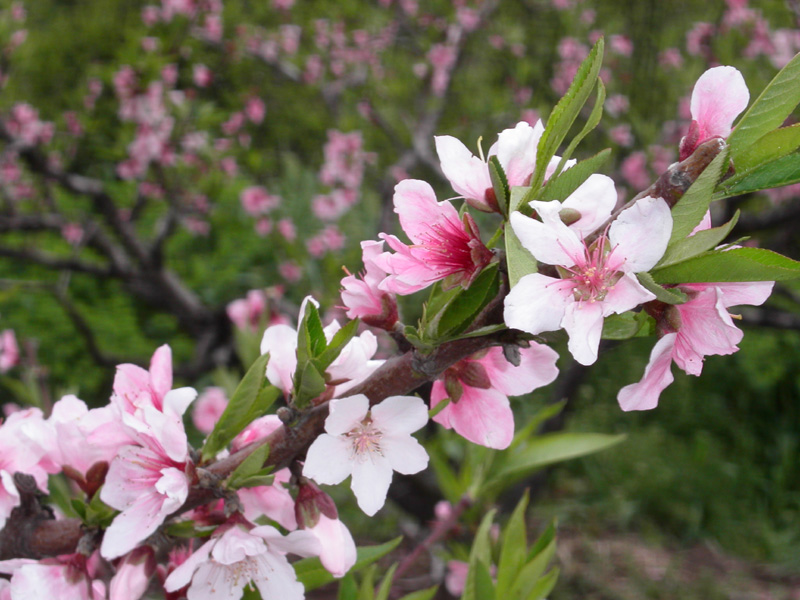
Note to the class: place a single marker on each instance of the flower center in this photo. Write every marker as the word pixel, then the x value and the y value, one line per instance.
pixel 595 274
pixel 365 439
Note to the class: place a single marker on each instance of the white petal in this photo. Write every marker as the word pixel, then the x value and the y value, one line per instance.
pixel 346 413
pixel 328 460
pixel 177 401
pixel 281 342
pixel 657 376
pixel 537 303
pixel 516 151
pixel 468 174
pixel 400 414
pixel 550 241
pixel 640 234
pixel 405 454
pixel 595 198
pixel 583 322
pixel 371 479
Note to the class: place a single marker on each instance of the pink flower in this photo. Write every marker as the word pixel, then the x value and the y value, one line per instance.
pixel 64 578
pixel 469 175
pixel 596 281
pixel 479 386
pixel 362 296
pixel 719 95
pixel 255 109
pixel 133 575
pixel 208 409
pixel 202 75
pixel 444 245
pixel 232 558
pixel 257 201
pixel 691 331
pixel 9 350
pixel 368 444
pixel 246 313
pixel 317 513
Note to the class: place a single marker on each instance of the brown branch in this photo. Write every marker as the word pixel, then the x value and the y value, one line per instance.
pixel 55 262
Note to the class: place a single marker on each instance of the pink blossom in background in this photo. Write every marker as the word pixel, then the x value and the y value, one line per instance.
pixel 719 95
pixel 25 125
pixel 362 296
pixel 233 124
pixel 247 313
pixel 444 247
pixel 18 12
pixel 208 409
pixel 456 577
pixel 369 444
pixel 699 38
pixel 263 226
pixel 72 233
pixel 201 75
pixel 150 15
pixel 330 207
pixel 228 166
pixel 596 282
pixel 239 555
pixel 212 27
pixel 621 135
pixel 479 387
pixel 171 8
pixel 442 58
pixel 314 69
pixel 9 350
pixel 670 58
pixel 785 44
pixel 661 157
pixel 255 109
pixel 169 73
pixel 621 45
pixel 283 4
pixel 617 104
pixel 345 159
pixel 287 229
pixel 468 18
pixel 257 201
pixel 150 44
pixel 290 271
pixel 634 170
pixel 290 38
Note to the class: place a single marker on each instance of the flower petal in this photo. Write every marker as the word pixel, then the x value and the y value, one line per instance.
pixel 550 241
pixel 405 454
pixel 328 460
pixel 639 236
pixel 400 415
pixel 583 322
pixel 594 199
pixel 371 480
pixel 516 151
pixel 468 174
pixel 719 95
pixel 657 376
pixel 346 413
pixel 537 303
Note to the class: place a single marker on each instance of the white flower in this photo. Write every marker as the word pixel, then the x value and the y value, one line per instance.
pixel 369 445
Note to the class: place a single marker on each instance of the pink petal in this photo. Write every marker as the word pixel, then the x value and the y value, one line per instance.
pixel 281 342
pixel 481 416
pixel 370 483
pixel 338 548
pixel 405 454
pixel 161 371
pixel 625 295
pixel 134 524
pixel 537 368
pixel 657 376
pixel 182 574
pixel 328 460
pixel 346 413
pixel 416 206
pixel 550 241
pixel 754 293
pixel 468 174
pixel 719 95
pixel 516 151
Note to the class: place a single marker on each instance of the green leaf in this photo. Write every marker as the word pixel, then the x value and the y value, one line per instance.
pixel 693 205
pixel 79 506
pixel 499 184
pixel 545 450
pixel 260 479
pixel 462 309
pixel 250 401
pixel 530 574
pixel 188 529
pixel 484 586
pixel 348 589
pixel 520 262
pixel 481 552
pixel 309 383
pixel 565 113
pixel 737 264
pixel 98 513
pixel 696 244
pixel 544 586
pixel 545 540
pixel 311 340
pixel 591 123
pixel 250 465
pixel 337 343
pixel 670 296
pixel 777 173
pixel 770 147
pixel 312 574
pixel 438 408
pixel 446 476
pixel 386 584
pixel 769 111
pixel 426 594
pixel 559 188
pixel 625 326
pixel 514 549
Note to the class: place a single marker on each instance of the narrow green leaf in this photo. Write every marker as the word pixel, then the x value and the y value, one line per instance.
pixel 591 123
pixel 312 574
pixel 499 184
pixel 339 340
pixel 770 147
pixel 737 264
pixel 386 584
pixel 545 450
pixel 481 553
pixel 188 529
pixel 692 206
pixel 311 340
pixel 348 589
pixel 545 540
pixel 438 408
pixel 461 310
pixel 367 589
pixel 446 476
pixel 484 586
pixel 514 549
pixel 544 586
pixel 309 383
pixel 529 575
pixel 784 171
pixel 559 188
pixel 769 111
pixel 426 594
pixel 670 296
pixel 696 244
pixel 520 262
pixel 480 332
pixel 250 465
pixel 250 401
pixel 565 113
pixel 262 478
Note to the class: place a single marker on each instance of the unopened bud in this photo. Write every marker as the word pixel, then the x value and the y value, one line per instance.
pixel 569 216
pixel 311 502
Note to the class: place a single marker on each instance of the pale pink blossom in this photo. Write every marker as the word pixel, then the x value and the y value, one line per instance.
pixel 208 409
pixel 132 575
pixel 369 444
pixel 444 246
pixel 9 350
pixel 257 201
pixel 237 556
pixel 689 332
pixel 596 281
pixel 63 578
pixel 202 75
pixel 363 298
pixel 456 577
pixel 246 313
pixel 255 109
pixel 316 512
pixel 290 271
pixel 719 95
pixel 479 387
